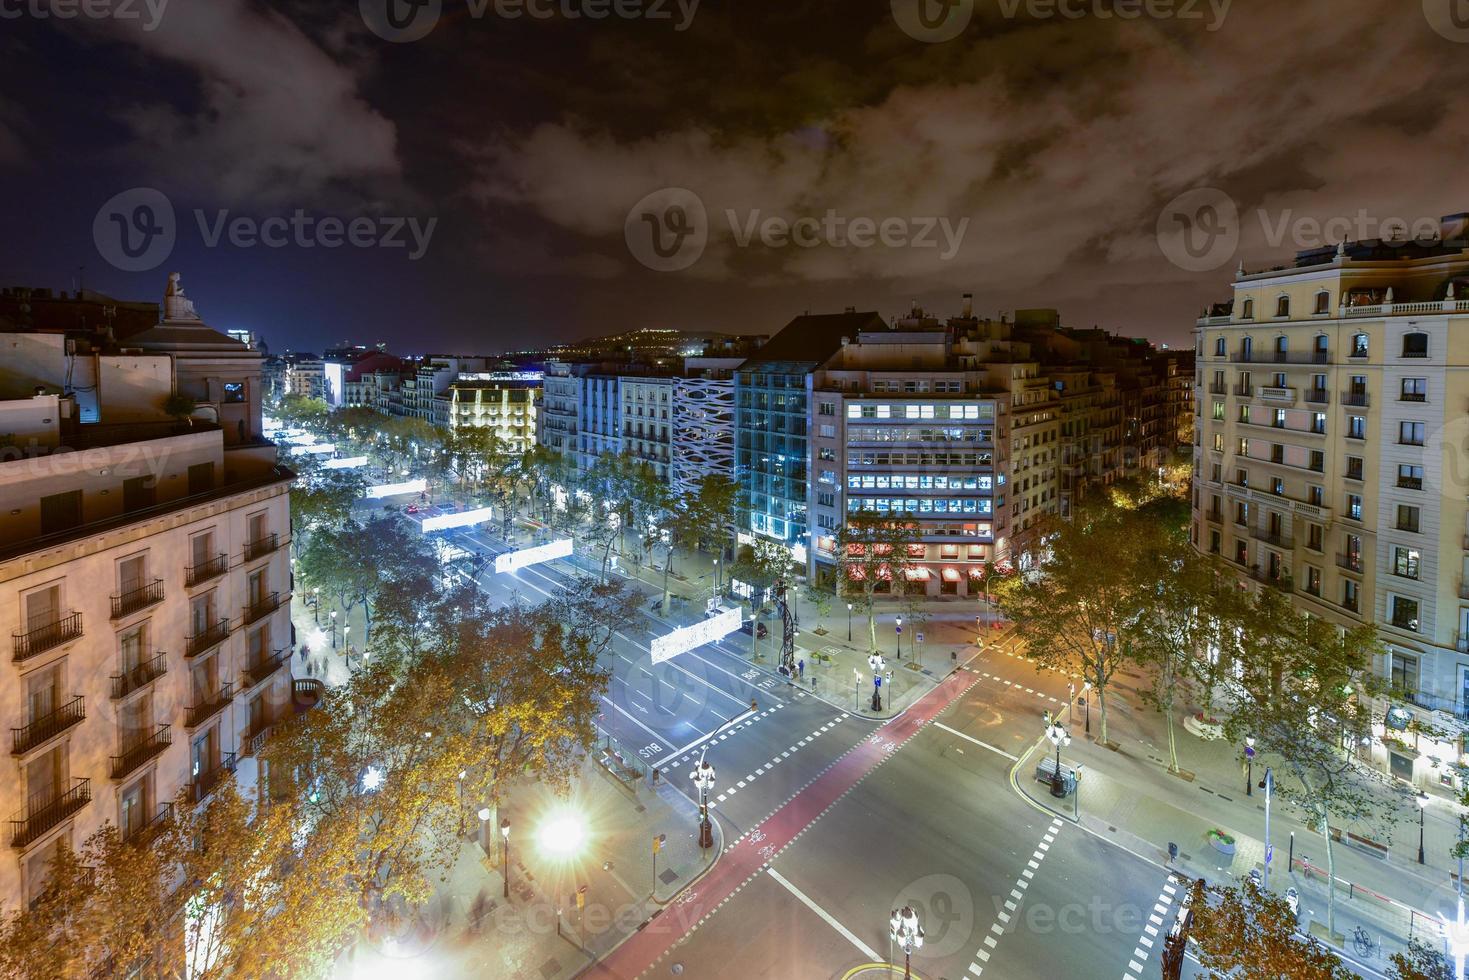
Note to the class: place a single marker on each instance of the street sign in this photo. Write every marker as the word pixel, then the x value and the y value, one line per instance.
pixel 920 637
pixel 900 629
pixel 658 842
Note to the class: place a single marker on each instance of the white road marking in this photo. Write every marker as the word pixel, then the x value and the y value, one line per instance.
pixel 866 950
pixel 971 738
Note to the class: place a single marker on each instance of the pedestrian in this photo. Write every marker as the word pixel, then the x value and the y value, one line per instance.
pixel 801 668
pixel 305 649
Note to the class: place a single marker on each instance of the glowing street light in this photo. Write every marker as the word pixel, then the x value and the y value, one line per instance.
pixel 1058 735
pixel 907 933
pixel 334 629
pixel 703 778
pixel 505 852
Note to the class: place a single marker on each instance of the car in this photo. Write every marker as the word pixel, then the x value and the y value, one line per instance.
pixel 749 625
pixel 413 508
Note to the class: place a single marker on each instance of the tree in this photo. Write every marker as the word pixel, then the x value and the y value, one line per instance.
pixel 765 566
pixel 301 412
pixel 323 498
pixel 1071 609
pixel 713 508
pixel 1302 689
pixel 1419 961
pixel 1183 608
pixel 873 548
pixel 357 563
pixel 1246 934
pixel 180 407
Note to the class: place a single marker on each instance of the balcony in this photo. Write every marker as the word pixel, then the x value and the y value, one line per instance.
pixel 1285 396
pixel 262 607
pixel 42 638
pixel 1318 396
pixel 203 784
pixel 212 705
pixel 1352 563
pixel 212 636
pixel 138 749
pixel 47 727
pixel 1357 399
pixel 145 673
pixel 261 547
pixel 1244 391
pixel 45 810
pixel 258 673
pixel 134 600
pixel 204 571
pixel 1275 538
pixel 1218 389
pixel 1214 517
pixel 141 836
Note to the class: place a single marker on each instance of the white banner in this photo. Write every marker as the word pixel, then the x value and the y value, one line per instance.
pixel 395 489
pixel 315 449
pixel 511 560
pixel 345 463
pixel 468 518
pixel 681 640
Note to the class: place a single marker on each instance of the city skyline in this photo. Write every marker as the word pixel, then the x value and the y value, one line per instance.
pixel 518 194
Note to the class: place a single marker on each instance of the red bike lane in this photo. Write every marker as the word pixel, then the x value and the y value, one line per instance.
pixel 759 847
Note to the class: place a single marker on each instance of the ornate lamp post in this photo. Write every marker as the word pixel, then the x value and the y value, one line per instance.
pixel 1058 735
pixel 1422 800
pixel 1249 765
pixel 505 852
pixel 899 635
pixel 876 662
pixel 849 622
pixel 703 777
pixel 907 933
pixel 334 629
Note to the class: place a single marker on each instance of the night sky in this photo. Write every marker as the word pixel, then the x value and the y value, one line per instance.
pixel 1051 147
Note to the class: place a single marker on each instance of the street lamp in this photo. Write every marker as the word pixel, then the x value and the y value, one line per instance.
pixel 334 629
pixel 1268 785
pixel 505 852
pixel 907 933
pixel 856 689
pixel 346 635
pixel 899 635
pixel 1422 800
pixel 1249 765
pixel 703 777
pixel 849 622
pixel 1086 702
pixel 1058 735
pixel 484 819
pixel 876 662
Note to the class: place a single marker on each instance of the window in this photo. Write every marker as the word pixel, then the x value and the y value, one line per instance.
pixel 828 408
pixel 1349 595
pixel 1242 477
pixel 1278 418
pixel 61 511
pixel 1356 427
pixel 1314 495
pixel 1354 506
pixel 1410 433
pixel 1404 613
pixel 1218 411
pixel 1282 348
pixel 1219 442
pixel 1277 453
pixel 1248 313
pixel 1415 345
pixel 1277 487
pixel 1281 380
pixel 1318 423
pixel 1323 303
pixel 1354 468
pixel 1405 562
pixel 1414 390
pixel 1359 345
pixel 1219 343
pixel 137 493
pixel 1313 537
pixel 1317 461
pixel 234 391
pixel 1404 673
pixel 1244 414
pixel 1282 306
pixel 1408 518
pixel 1410 477
pixel 1313 580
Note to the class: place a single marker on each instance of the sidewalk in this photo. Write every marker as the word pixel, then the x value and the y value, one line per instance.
pixel 470 928
pixel 1127 795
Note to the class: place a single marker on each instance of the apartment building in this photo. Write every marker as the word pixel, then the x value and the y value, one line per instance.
pixel 144 581
pixel 1330 457
pixel 509 407
pixel 295 374
pixel 647 421
pixel 703 422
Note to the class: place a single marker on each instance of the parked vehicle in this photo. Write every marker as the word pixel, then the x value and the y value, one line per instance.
pixel 749 625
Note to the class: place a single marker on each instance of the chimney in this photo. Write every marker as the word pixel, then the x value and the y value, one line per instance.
pixel 968 306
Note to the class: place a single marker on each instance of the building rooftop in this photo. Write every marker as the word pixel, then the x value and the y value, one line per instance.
pixel 815 337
